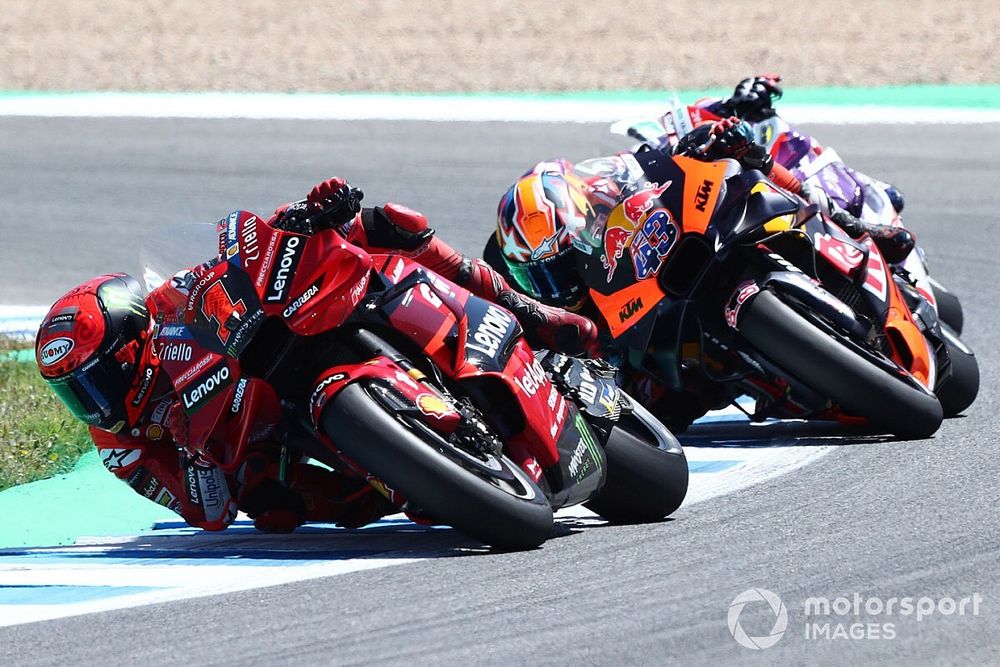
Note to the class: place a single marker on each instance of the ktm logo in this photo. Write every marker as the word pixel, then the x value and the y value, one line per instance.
pixel 630 309
pixel 701 197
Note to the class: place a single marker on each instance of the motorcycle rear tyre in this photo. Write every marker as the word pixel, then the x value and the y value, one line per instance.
pixel 826 364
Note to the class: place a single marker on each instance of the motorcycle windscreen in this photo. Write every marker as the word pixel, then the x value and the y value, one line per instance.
pixel 175 247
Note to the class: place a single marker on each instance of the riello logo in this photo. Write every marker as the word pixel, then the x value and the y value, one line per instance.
pixel 55 351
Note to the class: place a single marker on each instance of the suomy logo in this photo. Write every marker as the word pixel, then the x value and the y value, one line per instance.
pixel 55 350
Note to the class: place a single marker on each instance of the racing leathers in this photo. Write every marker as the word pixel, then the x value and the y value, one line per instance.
pixel 278 493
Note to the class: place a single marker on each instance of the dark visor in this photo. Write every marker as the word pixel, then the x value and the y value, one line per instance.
pixel 95 393
pixel 553 280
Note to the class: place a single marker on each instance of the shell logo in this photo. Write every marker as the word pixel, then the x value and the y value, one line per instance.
pixel 433 406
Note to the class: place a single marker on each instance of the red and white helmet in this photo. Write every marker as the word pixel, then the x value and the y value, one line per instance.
pixel 88 344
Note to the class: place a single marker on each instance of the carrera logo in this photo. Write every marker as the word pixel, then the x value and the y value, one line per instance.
pixel 630 309
pixel 205 387
pixel 55 351
pixel 238 395
pixel 490 332
pixel 289 253
pixel 301 301
pixel 701 197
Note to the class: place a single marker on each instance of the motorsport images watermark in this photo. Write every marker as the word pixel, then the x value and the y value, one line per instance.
pixel 852 618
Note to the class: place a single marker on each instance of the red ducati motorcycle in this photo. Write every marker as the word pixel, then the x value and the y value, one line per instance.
pixel 391 373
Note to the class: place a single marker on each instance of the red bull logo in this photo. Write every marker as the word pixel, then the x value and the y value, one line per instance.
pixel 615 241
pixel 642 201
pixel 617 236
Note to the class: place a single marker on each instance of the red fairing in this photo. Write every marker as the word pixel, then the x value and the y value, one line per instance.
pixel 253 416
pixel 428 315
pixel 313 282
pixel 437 412
pixel 842 254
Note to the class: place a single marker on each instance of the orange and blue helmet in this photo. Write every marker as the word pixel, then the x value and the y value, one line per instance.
pixel 537 220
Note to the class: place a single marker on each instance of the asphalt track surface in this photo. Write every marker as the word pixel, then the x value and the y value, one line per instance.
pixel 878 517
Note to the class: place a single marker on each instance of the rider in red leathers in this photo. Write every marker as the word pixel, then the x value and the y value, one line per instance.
pixel 96 349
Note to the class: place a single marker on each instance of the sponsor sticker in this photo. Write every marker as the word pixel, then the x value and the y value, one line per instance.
pixel 175 352
pixel 532 379
pixel 490 331
pixel 204 387
pixel 653 243
pixel 248 236
pixel 238 396
pixel 433 406
pixel 55 350
pixel 301 300
pixel 318 398
pixel 287 260
pixel 745 291
pixel 115 459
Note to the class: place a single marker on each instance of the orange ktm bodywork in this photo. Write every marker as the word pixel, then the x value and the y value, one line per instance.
pixel 702 185
pixel 909 346
pixel 627 306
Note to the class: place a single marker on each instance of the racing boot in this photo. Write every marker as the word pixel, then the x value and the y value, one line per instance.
pixel 550 327
pixel 895 243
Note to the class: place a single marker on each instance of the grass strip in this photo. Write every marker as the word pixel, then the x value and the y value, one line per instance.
pixel 38 437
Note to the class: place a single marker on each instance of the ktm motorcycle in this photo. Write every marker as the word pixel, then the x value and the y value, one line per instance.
pixel 389 372
pixel 820 166
pixel 717 283
pixel 863 196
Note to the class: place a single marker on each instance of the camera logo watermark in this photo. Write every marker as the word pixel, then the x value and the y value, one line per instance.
pixel 852 617
pixel 780 618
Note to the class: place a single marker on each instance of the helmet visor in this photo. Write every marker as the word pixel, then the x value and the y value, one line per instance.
pixel 553 280
pixel 95 393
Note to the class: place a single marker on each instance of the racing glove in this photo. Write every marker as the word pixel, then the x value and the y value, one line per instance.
pixel 753 97
pixel 895 243
pixel 330 204
pixel 726 138
pixel 336 200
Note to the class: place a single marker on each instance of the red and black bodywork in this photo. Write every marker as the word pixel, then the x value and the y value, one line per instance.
pixel 304 318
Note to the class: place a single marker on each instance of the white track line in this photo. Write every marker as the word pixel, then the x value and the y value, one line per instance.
pixel 430 108
pixel 102 574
